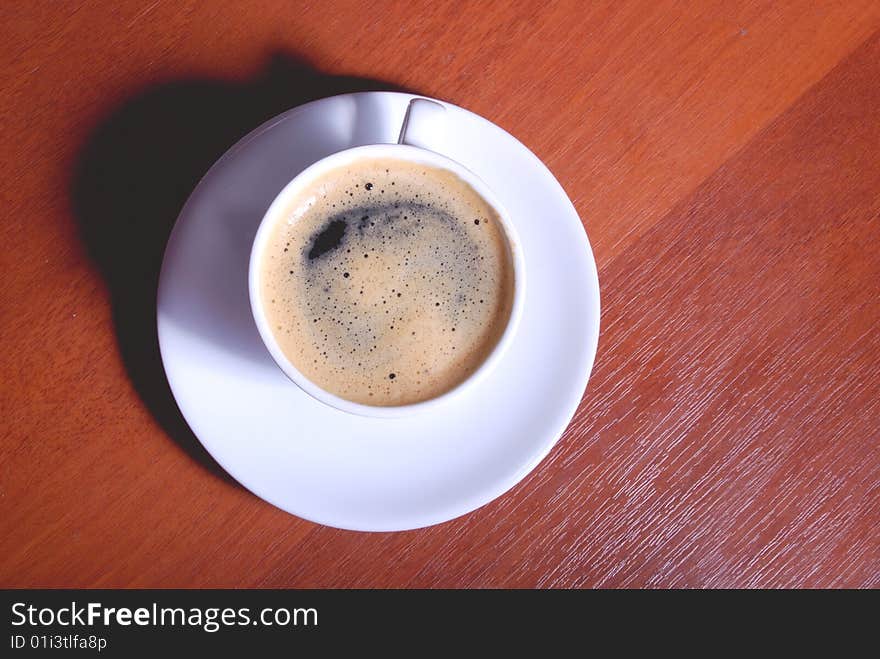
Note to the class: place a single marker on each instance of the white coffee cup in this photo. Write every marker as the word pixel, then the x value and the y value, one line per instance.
pixel 424 124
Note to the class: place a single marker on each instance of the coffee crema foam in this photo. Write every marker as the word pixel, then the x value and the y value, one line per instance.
pixel 387 282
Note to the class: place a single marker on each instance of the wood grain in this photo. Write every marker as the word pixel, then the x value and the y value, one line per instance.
pixel 724 158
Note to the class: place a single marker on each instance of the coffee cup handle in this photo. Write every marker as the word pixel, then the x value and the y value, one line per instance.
pixel 424 125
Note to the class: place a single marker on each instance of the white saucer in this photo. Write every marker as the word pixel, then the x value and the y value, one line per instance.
pixel 329 466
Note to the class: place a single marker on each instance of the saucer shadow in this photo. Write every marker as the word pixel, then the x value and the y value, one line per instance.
pixel 131 179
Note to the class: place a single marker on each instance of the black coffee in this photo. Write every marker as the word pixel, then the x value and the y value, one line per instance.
pixel 387 282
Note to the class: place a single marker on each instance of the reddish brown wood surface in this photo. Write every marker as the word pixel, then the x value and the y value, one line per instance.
pixel 725 159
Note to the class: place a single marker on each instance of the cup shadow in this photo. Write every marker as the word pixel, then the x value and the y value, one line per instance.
pixel 134 174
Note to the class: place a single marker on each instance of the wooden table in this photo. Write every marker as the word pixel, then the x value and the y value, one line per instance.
pixel 725 161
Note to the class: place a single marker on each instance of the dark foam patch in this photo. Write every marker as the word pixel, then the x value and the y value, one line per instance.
pixel 328 239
